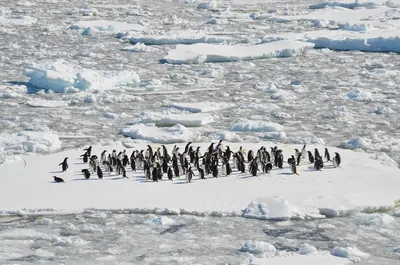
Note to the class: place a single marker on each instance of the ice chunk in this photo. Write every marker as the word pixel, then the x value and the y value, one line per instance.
pixel 178 37
pixel 259 247
pixel 105 25
pixel 169 119
pixel 202 53
pixel 35 142
pixel 60 76
pixel 175 134
pixel 256 126
pixel 351 253
pixel 199 106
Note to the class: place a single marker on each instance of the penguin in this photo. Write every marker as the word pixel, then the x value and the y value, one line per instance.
pixel 268 167
pixel 85 157
pixel 99 173
pixel 318 164
pixel 253 167
pixel 86 173
pixel 103 156
pixel 169 173
pixel 92 165
pixel 304 151
pixel 64 164
pixel 294 169
pixel 133 163
pixel 279 159
pixel 159 171
pixel 291 160
pixel 58 180
pixel 299 158
pixel 250 156
pixel 336 160
pixel 123 172
pixel 327 155
pixel 125 160
pixel 108 166
pixel 88 151
pixel 310 157
pixel 201 172
pixel 189 175
pixel 296 153
pixel 316 153
pixel 155 175
pixel 214 169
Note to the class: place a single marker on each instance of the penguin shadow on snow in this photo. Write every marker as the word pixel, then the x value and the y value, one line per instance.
pixel 56 172
pixel 286 173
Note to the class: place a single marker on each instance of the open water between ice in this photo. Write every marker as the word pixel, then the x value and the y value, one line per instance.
pixel 103 237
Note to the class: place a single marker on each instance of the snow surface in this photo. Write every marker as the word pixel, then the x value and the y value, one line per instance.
pixel 170 119
pixel 61 76
pixel 202 53
pixel 359 185
pixel 258 247
pixel 356 3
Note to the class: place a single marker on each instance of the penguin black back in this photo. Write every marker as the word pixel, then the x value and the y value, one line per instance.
pixel 58 180
pixel 99 172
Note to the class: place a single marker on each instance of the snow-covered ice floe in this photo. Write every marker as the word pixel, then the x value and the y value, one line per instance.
pixel 202 53
pixel 246 125
pixel 325 259
pixel 356 3
pixel 279 195
pixel 29 141
pixel 150 132
pixel 61 76
pixel 107 26
pixel 16 20
pixel 178 37
pixel 169 119
pixel 196 107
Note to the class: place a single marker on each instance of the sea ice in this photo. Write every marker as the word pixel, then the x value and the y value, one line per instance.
pixel 196 107
pixel 259 247
pixel 108 26
pixel 170 119
pixel 61 76
pixel 246 125
pixel 203 53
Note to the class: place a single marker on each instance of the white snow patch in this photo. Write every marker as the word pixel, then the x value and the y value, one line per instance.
pixel 207 5
pixel 319 259
pixel 45 221
pixel 139 47
pixel 61 76
pixel 162 220
pixel 355 3
pixel 202 53
pixel 375 219
pixel 16 20
pixel 44 103
pixel 307 249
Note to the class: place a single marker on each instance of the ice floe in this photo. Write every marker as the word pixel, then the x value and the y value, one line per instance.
pixel 106 26
pixel 170 119
pixel 325 259
pixel 202 53
pixel 61 76
pixel 280 195
pixel 356 3
pixel 352 253
pixel 139 47
pixel 150 132
pixel 259 247
pixel 196 107
pixel 246 125
pixel 178 37
pixel 16 20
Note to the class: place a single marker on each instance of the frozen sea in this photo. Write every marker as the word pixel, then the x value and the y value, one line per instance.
pixel 347 98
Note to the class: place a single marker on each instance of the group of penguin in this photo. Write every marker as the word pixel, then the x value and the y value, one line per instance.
pixel 215 161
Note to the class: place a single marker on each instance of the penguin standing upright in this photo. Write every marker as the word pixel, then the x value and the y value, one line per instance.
pixel 64 164
pixel 189 175
pixel 327 155
pixel 268 167
pixel 88 151
pixel 294 169
pixel 103 156
pixel 133 163
pixel 123 172
pixel 253 167
pixel 201 172
pixel 169 173
pixel 85 157
pixel 310 157
pixel 125 160
pixel 304 151
pixel 336 160
pixel 99 172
